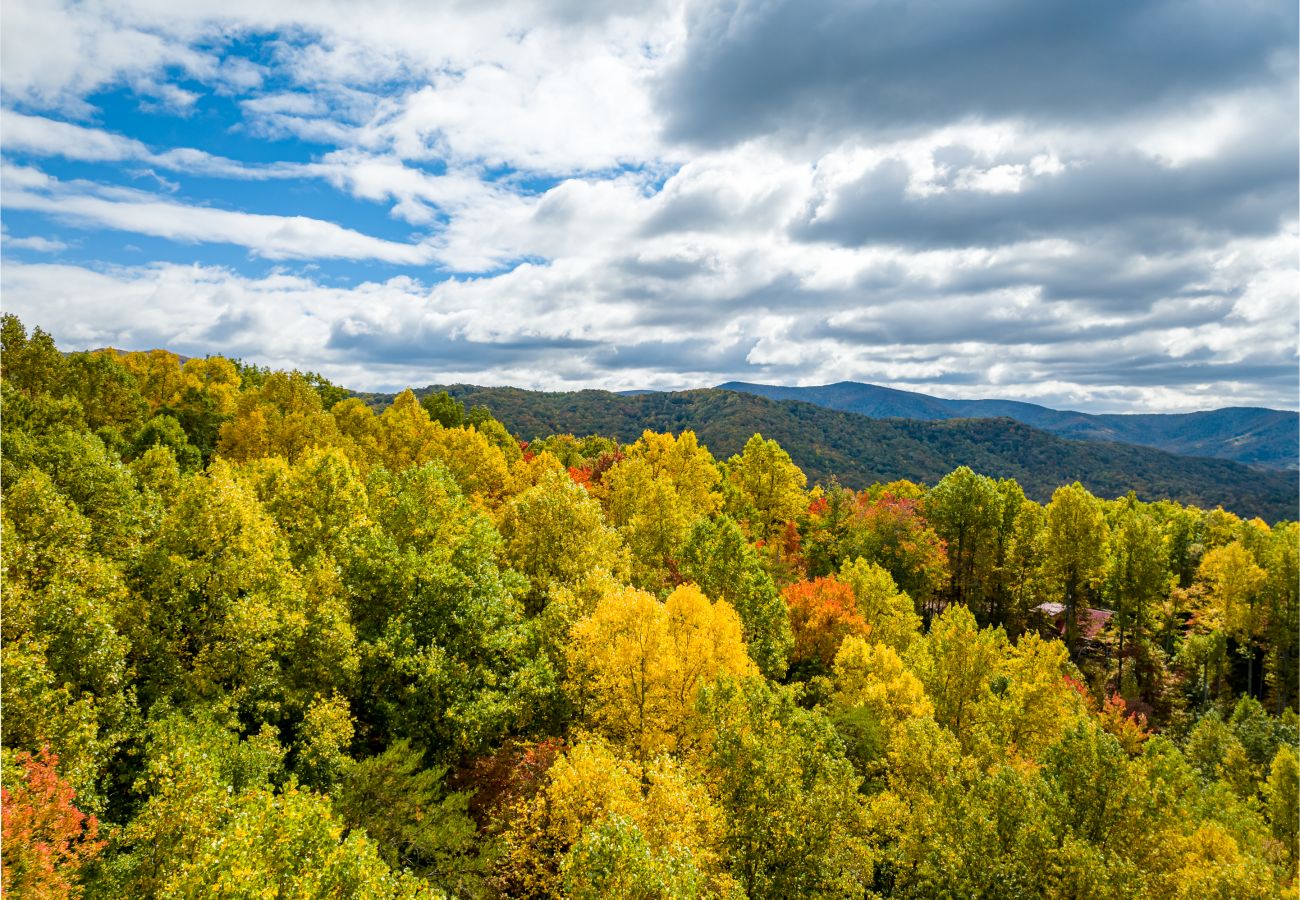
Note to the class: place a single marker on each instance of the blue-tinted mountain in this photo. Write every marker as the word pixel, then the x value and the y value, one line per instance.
pixel 1264 438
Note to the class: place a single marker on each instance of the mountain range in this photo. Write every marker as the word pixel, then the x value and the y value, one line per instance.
pixel 1264 438
pixel 859 450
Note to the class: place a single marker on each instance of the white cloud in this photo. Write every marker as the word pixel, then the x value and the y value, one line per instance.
pixel 648 262
pixel 272 237
pixel 591 323
pixel 31 242
pixel 53 54
pixel 49 137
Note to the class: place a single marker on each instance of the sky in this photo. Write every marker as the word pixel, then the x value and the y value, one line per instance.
pixel 1087 205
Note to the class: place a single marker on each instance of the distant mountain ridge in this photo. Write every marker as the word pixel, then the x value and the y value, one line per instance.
pixel 859 450
pixel 1263 438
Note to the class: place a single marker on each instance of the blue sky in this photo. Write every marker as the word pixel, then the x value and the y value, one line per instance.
pixel 1088 206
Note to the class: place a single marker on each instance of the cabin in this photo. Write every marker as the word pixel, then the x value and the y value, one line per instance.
pixel 1091 621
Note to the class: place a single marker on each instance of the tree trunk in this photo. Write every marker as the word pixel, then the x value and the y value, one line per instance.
pixel 1119 675
pixel 1071 615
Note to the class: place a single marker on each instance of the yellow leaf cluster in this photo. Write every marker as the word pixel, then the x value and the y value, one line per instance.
pixel 639 664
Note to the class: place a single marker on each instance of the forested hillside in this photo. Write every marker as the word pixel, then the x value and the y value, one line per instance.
pixel 263 640
pixel 1267 438
pixel 860 451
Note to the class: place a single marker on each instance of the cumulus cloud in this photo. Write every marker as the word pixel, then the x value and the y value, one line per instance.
pixel 1249 189
pixel 1086 205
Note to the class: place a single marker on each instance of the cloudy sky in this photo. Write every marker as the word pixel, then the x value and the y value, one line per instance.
pixel 1086 204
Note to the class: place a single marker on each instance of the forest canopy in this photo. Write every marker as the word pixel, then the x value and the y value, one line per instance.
pixel 262 639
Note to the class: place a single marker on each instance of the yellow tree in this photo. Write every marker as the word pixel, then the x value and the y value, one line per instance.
pixel 319 502
pixel 681 460
pixel 158 375
pixel 652 517
pixel 654 496
pixel 216 377
pixel 640 663
pixel 282 417
pixel 1030 704
pixel 404 429
pixel 888 612
pixel 592 794
pixel 956 662
pixel 1282 795
pixel 1235 582
pixel 408 437
pixel 359 431
pixel 477 465
pixel 525 473
pixel 873 676
pixel 1074 550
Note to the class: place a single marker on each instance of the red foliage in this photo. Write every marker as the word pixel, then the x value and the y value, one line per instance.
pixel 603 464
pixel 1079 688
pixel 513 773
pixel 791 545
pixel 46 838
pixel 891 531
pixel 822 613
pixel 581 476
pixel 818 506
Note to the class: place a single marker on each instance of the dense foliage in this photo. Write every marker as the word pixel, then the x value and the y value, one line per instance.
pixel 861 451
pixel 262 640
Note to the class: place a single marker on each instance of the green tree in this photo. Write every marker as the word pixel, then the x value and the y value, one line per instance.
pixel 416 824
pixel 447 659
pixel 1023 575
pixel 614 859
pixel 107 392
pixel 766 488
pixel 66 669
pixel 444 409
pixel 32 364
pixel 221 615
pixel 554 533
pixel 796 824
pixel 216 825
pixel 1137 577
pixel 163 430
pixel 1074 551
pixel 966 510
pixel 726 567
